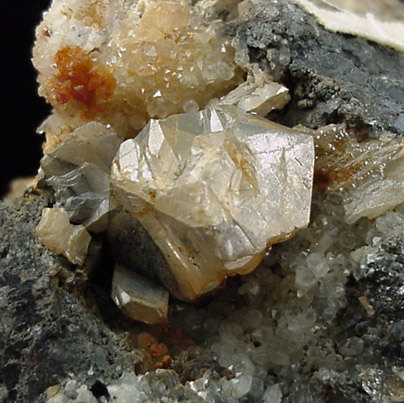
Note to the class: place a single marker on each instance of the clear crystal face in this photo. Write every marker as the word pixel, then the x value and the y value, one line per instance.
pixel 215 189
pixel 139 298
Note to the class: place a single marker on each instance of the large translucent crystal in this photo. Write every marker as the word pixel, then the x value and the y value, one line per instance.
pixel 214 189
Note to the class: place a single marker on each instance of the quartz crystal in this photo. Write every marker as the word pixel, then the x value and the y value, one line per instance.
pixel 78 172
pixel 215 189
pixel 139 298
pixel 56 233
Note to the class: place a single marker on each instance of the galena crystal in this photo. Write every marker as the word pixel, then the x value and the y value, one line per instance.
pixel 215 189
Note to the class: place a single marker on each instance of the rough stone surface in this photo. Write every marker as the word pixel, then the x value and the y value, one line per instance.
pixel 333 77
pixel 46 332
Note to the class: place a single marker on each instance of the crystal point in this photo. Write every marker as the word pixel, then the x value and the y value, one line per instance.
pixel 78 172
pixel 139 298
pixel 214 189
pixel 56 233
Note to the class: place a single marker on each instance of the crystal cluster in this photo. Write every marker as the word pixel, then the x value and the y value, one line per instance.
pixel 78 172
pixel 122 62
pixel 201 196
pixel 219 180
pixel 214 189
pixel 289 308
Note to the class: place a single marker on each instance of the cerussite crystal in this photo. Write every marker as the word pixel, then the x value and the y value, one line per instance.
pixel 215 189
pixel 139 298
pixel 56 233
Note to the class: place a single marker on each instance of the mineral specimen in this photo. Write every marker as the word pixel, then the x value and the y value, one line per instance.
pixel 251 97
pixel 121 62
pixel 139 298
pixel 321 319
pixel 78 172
pixel 215 189
pixel 55 232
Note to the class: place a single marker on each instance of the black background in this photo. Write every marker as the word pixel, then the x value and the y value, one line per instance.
pixel 22 110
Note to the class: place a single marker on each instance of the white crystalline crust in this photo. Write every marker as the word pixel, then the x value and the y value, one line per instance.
pixel 122 62
pixel 214 189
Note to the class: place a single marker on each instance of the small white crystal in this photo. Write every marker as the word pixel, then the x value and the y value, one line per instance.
pixel 238 387
pixel 391 224
pixel 129 388
pixel 374 198
pixel 56 233
pixel 139 298
pixel 241 365
pixel 214 189
pixel 250 97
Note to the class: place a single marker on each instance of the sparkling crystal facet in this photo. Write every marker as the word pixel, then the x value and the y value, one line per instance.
pixel 78 171
pixel 56 233
pixel 139 298
pixel 214 189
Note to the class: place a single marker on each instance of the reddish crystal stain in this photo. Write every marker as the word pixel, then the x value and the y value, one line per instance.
pixel 80 79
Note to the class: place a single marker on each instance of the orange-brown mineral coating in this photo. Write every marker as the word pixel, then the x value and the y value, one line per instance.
pixel 344 160
pixel 334 176
pixel 123 70
pixel 80 79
